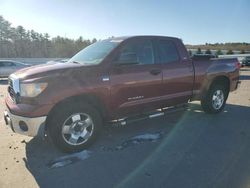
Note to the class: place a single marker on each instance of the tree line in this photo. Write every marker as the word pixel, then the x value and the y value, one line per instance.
pixel 19 42
pixel 228 48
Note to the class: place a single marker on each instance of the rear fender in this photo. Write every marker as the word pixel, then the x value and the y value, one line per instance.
pixel 216 73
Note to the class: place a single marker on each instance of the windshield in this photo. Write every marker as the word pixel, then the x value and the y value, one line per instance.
pixel 94 53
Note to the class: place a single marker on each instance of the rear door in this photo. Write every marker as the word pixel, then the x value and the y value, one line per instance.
pixel 178 73
pixel 135 87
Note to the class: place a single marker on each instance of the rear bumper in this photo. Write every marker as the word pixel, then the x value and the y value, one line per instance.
pixel 25 125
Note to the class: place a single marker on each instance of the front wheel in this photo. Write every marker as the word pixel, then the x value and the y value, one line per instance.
pixel 215 100
pixel 74 127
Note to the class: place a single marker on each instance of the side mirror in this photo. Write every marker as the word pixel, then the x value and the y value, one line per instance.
pixel 127 59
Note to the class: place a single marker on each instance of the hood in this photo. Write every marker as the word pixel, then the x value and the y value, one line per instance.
pixel 45 70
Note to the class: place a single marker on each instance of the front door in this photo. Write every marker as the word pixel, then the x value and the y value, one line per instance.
pixel 135 86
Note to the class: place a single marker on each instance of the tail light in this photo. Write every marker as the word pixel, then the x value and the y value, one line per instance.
pixel 238 65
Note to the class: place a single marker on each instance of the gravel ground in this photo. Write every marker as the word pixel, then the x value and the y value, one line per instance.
pixel 184 149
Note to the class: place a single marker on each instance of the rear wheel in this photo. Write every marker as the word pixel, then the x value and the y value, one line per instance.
pixel 215 100
pixel 74 127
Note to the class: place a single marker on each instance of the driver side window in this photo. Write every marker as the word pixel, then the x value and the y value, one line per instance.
pixel 140 52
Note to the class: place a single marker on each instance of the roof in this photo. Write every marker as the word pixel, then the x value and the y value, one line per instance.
pixel 143 36
pixel 123 38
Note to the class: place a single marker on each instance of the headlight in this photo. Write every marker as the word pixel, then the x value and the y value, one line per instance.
pixel 32 90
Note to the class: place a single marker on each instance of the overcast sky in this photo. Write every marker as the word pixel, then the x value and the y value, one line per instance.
pixel 194 21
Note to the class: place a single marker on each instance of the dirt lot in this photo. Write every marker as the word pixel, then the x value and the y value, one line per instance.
pixel 184 149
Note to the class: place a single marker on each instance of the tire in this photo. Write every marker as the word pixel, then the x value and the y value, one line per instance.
pixel 215 100
pixel 74 127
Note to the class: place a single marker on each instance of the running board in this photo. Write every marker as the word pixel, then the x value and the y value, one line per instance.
pixel 157 113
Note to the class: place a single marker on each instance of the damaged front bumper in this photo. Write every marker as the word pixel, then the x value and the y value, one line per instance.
pixel 25 125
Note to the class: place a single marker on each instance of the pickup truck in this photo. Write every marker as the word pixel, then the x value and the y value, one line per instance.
pixel 111 81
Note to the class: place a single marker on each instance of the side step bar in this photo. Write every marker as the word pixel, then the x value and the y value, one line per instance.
pixel 155 114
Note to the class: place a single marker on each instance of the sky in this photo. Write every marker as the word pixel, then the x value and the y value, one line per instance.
pixel 194 21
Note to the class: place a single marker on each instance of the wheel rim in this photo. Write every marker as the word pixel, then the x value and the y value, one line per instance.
pixel 77 129
pixel 218 99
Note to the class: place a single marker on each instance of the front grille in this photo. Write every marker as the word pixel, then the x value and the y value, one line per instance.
pixel 11 90
pixel 14 88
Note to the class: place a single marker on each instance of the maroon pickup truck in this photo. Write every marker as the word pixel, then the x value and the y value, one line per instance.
pixel 111 81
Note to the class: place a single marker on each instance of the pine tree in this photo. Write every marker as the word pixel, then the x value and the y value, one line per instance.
pixel 208 51
pixel 198 51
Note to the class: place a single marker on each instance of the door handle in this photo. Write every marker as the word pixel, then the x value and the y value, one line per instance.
pixel 155 71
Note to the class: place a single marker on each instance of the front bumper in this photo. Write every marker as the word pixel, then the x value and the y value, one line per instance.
pixel 25 125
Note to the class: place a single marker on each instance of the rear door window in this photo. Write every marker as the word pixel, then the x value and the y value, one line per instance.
pixel 168 51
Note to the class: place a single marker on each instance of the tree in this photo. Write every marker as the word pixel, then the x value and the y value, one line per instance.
pixel 34 35
pixel 5 29
pixel 94 40
pixel 190 52
pixel 242 52
pixel 198 51
pixel 208 51
pixel 21 32
pixel 218 52
pixel 230 52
